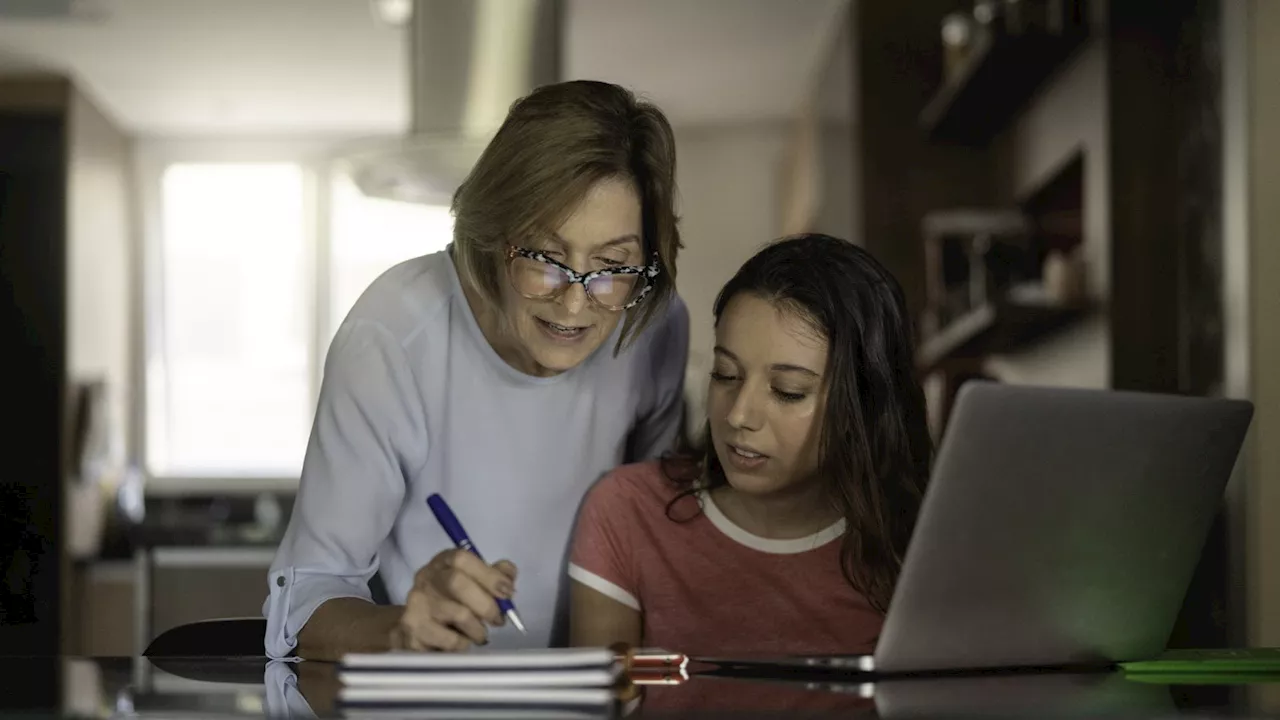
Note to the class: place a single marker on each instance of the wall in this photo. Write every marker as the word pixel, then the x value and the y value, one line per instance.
pixel 837 99
pixel 100 290
pixel 1234 42
pixel 819 169
pixel 836 214
pixel 1263 172
pixel 729 207
pixel 100 262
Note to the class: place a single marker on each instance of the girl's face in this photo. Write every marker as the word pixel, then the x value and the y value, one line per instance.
pixel 604 231
pixel 766 395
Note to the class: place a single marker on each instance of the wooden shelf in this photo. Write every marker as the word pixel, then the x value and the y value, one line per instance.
pixel 1001 74
pixel 995 328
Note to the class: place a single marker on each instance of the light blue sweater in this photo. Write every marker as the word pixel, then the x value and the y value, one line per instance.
pixel 416 401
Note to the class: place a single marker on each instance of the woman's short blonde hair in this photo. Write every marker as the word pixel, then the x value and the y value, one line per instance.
pixel 555 144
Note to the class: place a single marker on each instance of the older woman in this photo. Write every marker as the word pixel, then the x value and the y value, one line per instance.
pixel 544 347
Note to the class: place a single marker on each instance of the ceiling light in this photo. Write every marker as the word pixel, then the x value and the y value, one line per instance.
pixel 395 13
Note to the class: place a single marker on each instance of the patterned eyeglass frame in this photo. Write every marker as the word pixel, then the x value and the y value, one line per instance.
pixel 646 272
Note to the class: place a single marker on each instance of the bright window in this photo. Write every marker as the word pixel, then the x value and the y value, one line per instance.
pixel 369 235
pixel 241 323
pixel 229 389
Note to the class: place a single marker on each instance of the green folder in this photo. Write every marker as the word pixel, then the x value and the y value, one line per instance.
pixel 1202 678
pixel 1252 663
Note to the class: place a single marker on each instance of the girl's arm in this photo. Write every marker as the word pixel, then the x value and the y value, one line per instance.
pixel 605 586
pixel 597 620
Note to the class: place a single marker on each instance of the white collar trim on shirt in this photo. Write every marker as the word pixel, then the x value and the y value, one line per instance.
pixel 763 544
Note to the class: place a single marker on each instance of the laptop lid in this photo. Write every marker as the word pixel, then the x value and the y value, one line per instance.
pixel 1060 527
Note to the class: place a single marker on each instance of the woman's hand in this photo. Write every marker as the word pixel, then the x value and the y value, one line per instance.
pixel 452 601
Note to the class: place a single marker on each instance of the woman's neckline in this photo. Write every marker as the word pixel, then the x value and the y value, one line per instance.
pixel 772 546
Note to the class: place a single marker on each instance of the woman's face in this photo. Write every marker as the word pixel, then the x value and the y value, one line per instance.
pixel 766 395
pixel 604 231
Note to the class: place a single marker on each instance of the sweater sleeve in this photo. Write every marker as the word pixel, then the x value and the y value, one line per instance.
pixel 365 441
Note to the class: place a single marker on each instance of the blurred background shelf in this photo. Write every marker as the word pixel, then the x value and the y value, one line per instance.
pixel 1001 71
pixel 996 328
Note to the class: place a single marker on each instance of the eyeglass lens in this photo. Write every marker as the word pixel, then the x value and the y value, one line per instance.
pixel 539 279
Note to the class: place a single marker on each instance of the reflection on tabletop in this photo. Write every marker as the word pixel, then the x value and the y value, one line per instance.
pixel 735 694
pixel 255 687
pixel 1061 695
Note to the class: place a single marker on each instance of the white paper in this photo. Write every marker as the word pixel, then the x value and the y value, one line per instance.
pixel 555 658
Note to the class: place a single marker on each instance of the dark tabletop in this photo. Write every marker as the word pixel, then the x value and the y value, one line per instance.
pixel 255 687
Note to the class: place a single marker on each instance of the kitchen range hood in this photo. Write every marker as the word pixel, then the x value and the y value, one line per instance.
pixel 469 60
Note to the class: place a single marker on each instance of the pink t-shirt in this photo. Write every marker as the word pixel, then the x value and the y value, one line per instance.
pixel 708 587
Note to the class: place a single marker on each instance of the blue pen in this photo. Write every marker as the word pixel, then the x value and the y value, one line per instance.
pixel 450 523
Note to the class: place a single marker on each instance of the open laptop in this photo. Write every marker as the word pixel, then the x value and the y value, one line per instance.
pixel 1060 528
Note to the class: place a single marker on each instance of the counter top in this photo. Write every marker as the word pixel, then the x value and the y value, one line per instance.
pixel 257 687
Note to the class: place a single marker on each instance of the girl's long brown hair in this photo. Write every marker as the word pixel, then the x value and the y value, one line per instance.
pixel 874 445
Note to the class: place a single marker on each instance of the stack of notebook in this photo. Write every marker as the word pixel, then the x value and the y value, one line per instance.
pixel 563 681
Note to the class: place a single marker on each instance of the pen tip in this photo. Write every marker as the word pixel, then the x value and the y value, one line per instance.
pixel 515 622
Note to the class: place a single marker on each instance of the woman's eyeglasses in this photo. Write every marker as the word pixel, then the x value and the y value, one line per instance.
pixel 537 277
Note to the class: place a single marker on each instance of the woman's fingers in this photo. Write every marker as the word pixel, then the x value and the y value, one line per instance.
pixel 469 593
pixel 452 598
pixel 433 622
pixel 495 579
pixel 506 567
pixel 461 618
